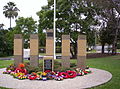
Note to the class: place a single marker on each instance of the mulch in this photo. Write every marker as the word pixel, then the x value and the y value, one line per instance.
pixel 99 55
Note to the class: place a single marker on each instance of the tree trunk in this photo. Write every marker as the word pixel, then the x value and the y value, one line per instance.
pixel 73 50
pixel 103 45
pixel 74 54
pixel 10 22
pixel 108 48
pixel 114 47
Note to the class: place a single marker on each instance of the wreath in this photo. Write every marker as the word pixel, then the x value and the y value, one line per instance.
pixel 33 76
pixel 71 74
pixel 64 74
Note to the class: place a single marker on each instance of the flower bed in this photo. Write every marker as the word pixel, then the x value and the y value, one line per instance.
pixel 21 73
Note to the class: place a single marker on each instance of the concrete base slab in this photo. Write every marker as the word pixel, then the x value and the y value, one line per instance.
pixel 97 77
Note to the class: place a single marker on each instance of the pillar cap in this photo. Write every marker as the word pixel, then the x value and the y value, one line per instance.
pixel 17 36
pixel 33 36
pixel 83 37
pixel 48 57
pixel 49 34
pixel 49 30
pixel 65 36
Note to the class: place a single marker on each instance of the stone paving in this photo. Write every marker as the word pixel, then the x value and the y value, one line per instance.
pixel 97 77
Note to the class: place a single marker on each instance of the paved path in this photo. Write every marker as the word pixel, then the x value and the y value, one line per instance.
pixel 97 77
pixel 6 58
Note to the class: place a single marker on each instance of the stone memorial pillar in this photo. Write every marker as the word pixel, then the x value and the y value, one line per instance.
pixel 65 51
pixel 48 61
pixel 49 43
pixel 34 50
pixel 18 49
pixel 81 52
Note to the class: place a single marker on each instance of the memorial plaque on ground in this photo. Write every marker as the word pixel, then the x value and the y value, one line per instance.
pixel 48 64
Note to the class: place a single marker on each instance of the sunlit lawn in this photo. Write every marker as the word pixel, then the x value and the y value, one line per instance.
pixel 111 64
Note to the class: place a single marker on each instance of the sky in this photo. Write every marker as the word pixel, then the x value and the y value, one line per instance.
pixel 28 8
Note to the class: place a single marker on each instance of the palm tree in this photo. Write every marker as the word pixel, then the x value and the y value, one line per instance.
pixel 10 11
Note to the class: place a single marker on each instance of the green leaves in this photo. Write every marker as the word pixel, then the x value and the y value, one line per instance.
pixel 25 26
pixel 69 15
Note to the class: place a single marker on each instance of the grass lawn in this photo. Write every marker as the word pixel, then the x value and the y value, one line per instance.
pixel 111 64
pixel 92 51
pixel 118 50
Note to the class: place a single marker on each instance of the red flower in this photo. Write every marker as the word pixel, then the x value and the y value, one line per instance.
pixel 21 65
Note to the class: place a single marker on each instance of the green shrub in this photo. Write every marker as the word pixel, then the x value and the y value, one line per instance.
pixel 118 46
pixel 72 65
pixel 31 69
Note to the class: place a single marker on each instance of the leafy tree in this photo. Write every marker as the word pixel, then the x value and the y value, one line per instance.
pixel 111 15
pixel 45 22
pixel 110 3
pixel 105 37
pixel 10 41
pixel 10 11
pixel 74 17
pixel 25 26
pixel 4 48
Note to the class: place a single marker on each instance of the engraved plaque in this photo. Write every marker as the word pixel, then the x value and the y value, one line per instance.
pixel 48 64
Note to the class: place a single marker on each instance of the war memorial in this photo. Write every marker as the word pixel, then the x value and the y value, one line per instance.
pixel 20 71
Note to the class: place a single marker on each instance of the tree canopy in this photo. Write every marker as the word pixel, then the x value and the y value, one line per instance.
pixel 74 17
pixel 110 16
pixel 25 26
